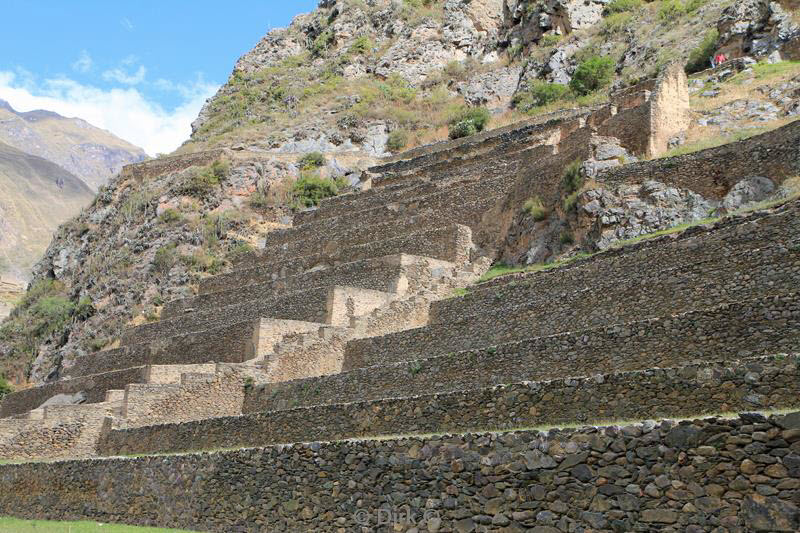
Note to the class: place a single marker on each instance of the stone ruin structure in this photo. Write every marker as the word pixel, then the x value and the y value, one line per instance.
pixel 322 361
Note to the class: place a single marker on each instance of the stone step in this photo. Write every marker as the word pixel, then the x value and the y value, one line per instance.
pixel 451 243
pixel 395 273
pixel 525 134
pixel 504 159
pixel 94 387
pixel 194 395
pixel 345 203
pixel 399 180
pixel 335 305
pixel 64 431
pixel 723 332
pixel 737 278
pixel 651 394
pixel 466 203
pixel 733 235
pixel 391 221
pixel 234 343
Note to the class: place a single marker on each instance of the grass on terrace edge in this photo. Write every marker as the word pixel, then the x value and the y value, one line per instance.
pixel 503 270
pixel 13 525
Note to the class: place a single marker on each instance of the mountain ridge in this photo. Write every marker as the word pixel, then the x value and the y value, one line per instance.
pixel 91 153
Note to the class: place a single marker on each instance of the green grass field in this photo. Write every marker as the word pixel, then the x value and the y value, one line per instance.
pixel 12 525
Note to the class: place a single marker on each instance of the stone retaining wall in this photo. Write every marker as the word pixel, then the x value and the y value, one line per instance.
pixel 730 236
pixel 379 220
pixel 67 431
pixel 167 165
pixel 452 243
pixel 514 135
pixel 307 305
pixel 714 171
pixel 381 274
pixel 230 344
pixel 195 398
pixel 770 271
pixel 94 386
pixel 660 393
pixel 384 223
pixel 344 203
pixel 739 474
pixel 333 305
pixel 759 327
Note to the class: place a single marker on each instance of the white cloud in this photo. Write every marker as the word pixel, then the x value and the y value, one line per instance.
pixel 125 112
pixel 121 76
pixel 84 63
pixel 127 24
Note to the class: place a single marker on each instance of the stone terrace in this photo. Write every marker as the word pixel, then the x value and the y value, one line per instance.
pixel 345 326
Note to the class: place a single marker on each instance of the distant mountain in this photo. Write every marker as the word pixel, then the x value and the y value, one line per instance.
pixel 36 196
pixel 91 153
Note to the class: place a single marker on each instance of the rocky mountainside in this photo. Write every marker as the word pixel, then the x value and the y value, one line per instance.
pixel 36 196
pixel 88 152
pixel 357 80
pixel 352 73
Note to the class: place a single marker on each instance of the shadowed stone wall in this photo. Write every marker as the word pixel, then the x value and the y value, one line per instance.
pixel 659 393
pixel 692 476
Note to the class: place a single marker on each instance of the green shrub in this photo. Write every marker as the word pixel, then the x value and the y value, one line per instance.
pixel 201 261
pixel 462 129
pixel 310 189
pixel 616 23
pixel 164 259
pixel 515 51
pixel 551 39
pixel 363 45
pixel 84 309
pixel 5 387
pixel 52 314
pixel 468 121
pixel 570 201
pixel 535 208
pixel 540 93
pixel 592 74
pixel 567 237
pixel 671 10
pixel 572 178
pixel 323 41
pixel 259 200
pixel 691 6
pixel 199 182
pixel 416 4
pixel 454 70
pixel 398 139
pixel 620 6
pixel 169 216
pixel 699 57
pixel 240 250
pixel 398 89
pixel 311 161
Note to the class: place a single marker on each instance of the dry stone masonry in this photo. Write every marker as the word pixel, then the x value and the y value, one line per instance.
pixel 345 326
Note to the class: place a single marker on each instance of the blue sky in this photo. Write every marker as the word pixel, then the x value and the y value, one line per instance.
pixel 140 69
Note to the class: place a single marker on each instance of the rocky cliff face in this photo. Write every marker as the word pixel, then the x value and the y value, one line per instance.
pixel 353 80
pixel 73 144
pixel 345 76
